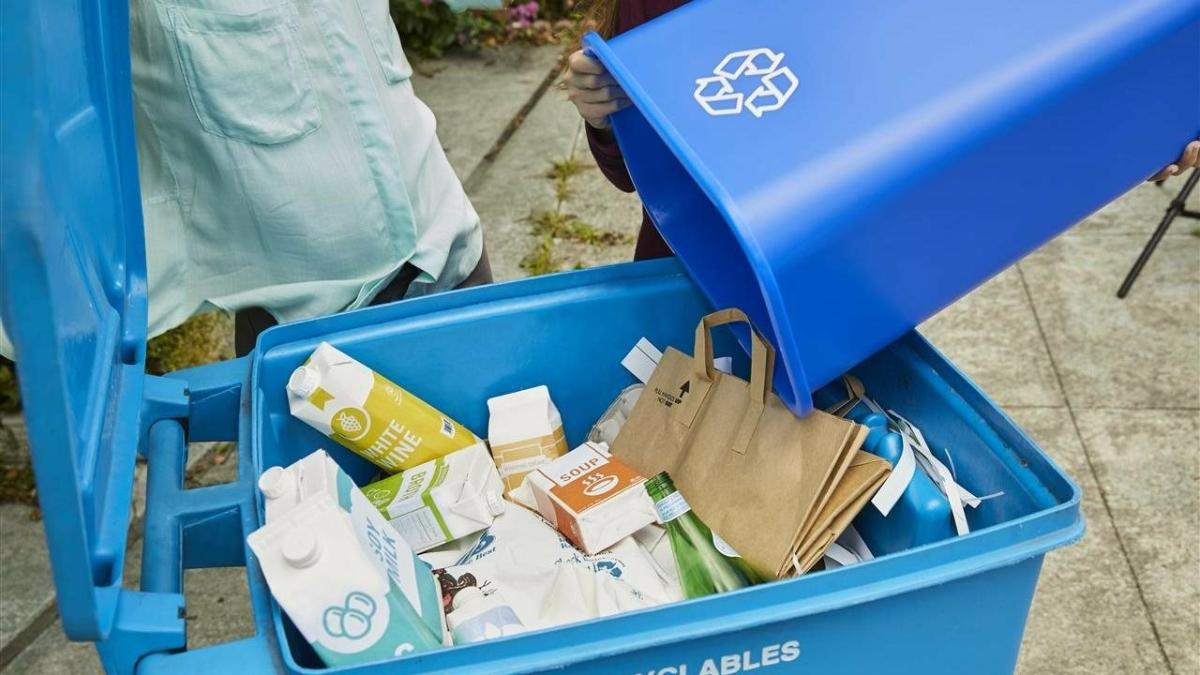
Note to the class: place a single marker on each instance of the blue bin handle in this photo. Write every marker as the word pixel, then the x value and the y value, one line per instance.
pixel 191 529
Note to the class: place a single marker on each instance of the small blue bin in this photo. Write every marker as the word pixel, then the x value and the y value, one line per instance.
pixel 73 297
pixel 874 161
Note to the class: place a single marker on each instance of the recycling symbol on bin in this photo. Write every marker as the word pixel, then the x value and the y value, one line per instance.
pixel 776 83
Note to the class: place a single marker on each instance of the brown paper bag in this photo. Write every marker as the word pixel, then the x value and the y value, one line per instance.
pixel 775 486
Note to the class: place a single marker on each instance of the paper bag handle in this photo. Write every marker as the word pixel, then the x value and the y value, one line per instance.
pixel 762 370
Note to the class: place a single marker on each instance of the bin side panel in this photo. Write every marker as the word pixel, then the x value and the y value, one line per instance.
pixel 925 245
pixel 971 625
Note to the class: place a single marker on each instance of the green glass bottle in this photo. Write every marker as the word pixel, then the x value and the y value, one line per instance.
pixel 703 567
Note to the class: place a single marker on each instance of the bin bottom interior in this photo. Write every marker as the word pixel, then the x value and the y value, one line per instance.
pixel 458 350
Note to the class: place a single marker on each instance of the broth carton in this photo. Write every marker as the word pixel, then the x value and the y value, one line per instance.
pixel 594 499
pixel 317 477
pixel 370 415
pixel 442 500
pixel 525 431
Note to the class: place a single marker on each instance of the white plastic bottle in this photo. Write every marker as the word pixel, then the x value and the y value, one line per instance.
pixel 476 617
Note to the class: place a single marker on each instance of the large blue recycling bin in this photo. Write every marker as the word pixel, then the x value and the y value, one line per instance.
pixel 874 161
pixel 73 299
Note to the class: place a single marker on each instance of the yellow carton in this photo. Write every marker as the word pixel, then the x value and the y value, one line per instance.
pixel 369 414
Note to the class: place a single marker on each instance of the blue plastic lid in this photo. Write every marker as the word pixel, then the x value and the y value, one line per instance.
pixel 843 170
pixel 73 296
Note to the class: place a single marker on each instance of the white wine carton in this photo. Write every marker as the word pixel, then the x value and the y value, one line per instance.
pixel 370 415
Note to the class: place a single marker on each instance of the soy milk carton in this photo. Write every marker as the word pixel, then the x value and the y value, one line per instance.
pixel 318 478
pixel 349 608
pixel 372 416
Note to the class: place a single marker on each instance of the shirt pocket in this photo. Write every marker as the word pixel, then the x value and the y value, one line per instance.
pixel 245 75
pixel 377 20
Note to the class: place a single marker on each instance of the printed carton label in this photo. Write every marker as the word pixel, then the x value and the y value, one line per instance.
pixel 514 460
pixel 584 478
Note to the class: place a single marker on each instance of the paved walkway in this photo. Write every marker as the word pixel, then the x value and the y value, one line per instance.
pixel 1111 389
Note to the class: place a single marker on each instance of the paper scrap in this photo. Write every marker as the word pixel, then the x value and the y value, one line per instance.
pixel 642 359
pixel 847 550
pixel 897 482
pixel 837 556
pixel 854 542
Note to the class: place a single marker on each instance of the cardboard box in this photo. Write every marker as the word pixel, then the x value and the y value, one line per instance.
pixel 594 499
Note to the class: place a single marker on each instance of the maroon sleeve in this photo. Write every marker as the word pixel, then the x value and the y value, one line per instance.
pixel 608 157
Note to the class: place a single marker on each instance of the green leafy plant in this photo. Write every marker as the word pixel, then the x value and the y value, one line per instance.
pixel 561 172
pixel 429 28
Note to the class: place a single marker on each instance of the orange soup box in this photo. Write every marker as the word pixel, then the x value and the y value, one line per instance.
pixel 594 499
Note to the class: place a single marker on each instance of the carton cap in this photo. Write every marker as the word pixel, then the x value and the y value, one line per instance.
pixel 274 482
pixel 303 381
pixel 301 548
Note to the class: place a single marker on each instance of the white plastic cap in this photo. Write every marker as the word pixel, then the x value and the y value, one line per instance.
pixel 466 596
pixel 496 504
pixel 304 381
pixel 301 548
pixel 274 482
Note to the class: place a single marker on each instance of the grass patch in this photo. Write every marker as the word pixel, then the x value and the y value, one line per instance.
pixel 569 226
pixel 561 172
pixel 540 260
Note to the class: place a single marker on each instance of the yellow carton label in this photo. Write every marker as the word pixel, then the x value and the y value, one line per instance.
pixel 396 430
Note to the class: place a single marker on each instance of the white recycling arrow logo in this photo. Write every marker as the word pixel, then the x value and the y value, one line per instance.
pixel 776 84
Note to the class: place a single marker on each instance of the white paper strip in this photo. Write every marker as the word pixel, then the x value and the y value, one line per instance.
pixel 853 542
pixel 837 556
pixel 724 364
pixel 642 359
pixel 897 482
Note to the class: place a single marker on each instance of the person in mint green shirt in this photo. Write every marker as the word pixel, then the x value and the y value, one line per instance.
pixel 287 168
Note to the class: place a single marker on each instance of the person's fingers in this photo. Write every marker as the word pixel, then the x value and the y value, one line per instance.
pixel 595 113
pixel 596 95
pixel 1191 156
pixel 587 81
pixel 582 63
pixel 1166 173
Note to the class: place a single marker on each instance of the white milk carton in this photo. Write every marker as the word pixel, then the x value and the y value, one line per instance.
pixel 370 415
pixel 442 500
pixel 318 477
pixel 341 601
pixel 594 499
pixel 525 431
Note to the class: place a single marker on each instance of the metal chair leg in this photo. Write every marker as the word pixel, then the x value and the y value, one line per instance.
pixel 1174 210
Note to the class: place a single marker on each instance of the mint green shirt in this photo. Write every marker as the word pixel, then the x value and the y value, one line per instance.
pixel 285 161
